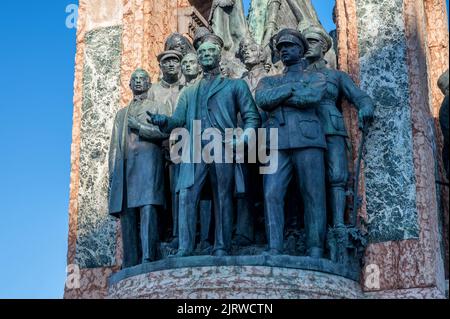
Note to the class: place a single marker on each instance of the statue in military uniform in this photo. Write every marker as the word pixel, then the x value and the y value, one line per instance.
pixel 291 99
pixel 339 84
pixel 215 101
pixel 444 120
pixel 136 173
pixel 280 14
pixel 166 92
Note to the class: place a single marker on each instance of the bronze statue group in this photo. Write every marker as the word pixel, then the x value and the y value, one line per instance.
pixel 172 209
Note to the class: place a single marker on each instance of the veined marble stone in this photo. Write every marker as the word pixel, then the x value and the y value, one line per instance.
pixel 389 166
pixel 96 235
pixel 235 282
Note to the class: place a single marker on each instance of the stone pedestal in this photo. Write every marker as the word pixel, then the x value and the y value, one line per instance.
pixel 234 282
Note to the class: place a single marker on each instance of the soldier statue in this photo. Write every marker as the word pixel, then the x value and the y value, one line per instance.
pixel 216 102
pixel 136 170
pixel 444 120
pixel 166 91
pixel 291 99
pixel 339 84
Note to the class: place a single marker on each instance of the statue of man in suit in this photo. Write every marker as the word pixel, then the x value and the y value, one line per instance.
pixel 291 100
pixel 216 101
pixel 136 170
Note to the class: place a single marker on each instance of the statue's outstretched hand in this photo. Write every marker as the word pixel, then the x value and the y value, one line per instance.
pixel 157 119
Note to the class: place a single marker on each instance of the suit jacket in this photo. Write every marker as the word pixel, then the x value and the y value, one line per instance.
pixel 225 100
pixel 295 118
pixel 339 84
pixel 136 161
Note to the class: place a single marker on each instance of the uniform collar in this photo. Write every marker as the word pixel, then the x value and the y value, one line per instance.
pixel 317 65
pixel 209 75
pixel 299 67
pixel 167 85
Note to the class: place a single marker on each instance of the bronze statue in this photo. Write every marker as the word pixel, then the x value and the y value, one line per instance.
pixel 294 14
pixel 228 21
pixel 167 89
pixel 288 14
pixel 178 42
pixel 444 120
pixel 191 69
pixel 252 55
pixel 216 102
pixel 166 92
pixel 136 173
pixel 339 84
pixel 291 99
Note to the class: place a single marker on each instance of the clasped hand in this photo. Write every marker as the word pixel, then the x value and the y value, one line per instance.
pixel 157 119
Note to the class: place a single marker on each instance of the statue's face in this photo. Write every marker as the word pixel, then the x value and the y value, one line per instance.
pixel 179 45
pixel 290 53
pixel 190 66
pixel 140 83
pixel 170 66
pixel 315 50
pixel 209 55
pixel 250 53
pixel 225 69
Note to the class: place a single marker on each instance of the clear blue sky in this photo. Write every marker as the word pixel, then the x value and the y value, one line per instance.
pixel 36 90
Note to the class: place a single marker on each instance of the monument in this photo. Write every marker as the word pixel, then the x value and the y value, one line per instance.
pixel 359 146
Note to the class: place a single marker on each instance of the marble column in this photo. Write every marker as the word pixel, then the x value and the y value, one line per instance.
pixel 114 37
pixel 384 45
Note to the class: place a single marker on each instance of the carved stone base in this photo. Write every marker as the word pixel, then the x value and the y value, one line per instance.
pixel 232 282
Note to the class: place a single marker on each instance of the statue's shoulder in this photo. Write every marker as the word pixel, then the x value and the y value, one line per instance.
pixel 237 82
pixel 121 112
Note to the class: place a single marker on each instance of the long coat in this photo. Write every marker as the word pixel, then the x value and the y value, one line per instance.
pixel 141 153
pixel 225 100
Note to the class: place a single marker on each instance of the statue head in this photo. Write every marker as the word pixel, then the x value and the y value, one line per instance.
pixel 250 53
pixel 210 52
pixel 291 45
pixel 170 64
pixel 200 33
pixel 189 66
pixel 178 42
pixel 319 42
pixel 140 81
